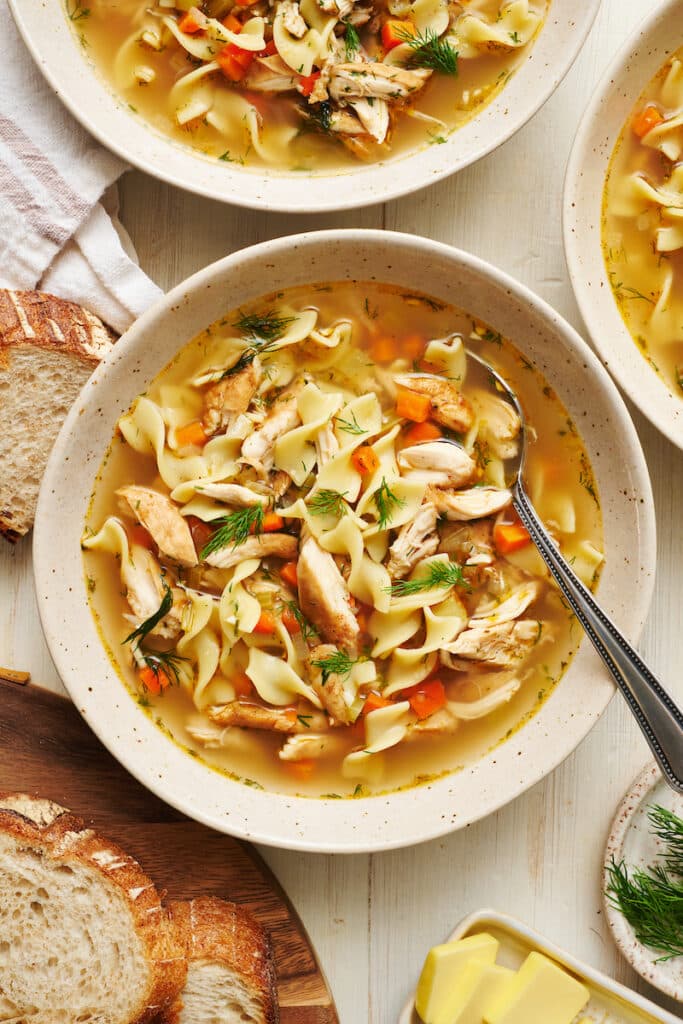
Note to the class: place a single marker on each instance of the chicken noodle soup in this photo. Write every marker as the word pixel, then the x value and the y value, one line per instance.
pixel 643 223
pixel 301 549
pixel 307 85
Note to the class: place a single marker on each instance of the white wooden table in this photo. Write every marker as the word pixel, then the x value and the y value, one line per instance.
pixel 372 918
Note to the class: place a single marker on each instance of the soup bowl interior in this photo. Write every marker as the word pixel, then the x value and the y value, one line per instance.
pixel 403 817
pixel 632 69
pixel 69 70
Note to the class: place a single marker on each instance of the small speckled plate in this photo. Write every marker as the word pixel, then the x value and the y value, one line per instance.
pixel 610 1002
pixel 632 842
pixel 56 51
pixel 392 819
pixel 643 54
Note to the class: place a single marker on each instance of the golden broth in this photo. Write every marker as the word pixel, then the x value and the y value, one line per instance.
pixel 559 477
pixel 647 283
pixel 447 102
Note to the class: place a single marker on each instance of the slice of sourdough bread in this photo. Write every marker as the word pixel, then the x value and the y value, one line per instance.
pixel 84 938
pixel 48 349
pixel 230 974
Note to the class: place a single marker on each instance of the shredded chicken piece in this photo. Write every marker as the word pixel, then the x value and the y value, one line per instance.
pixel 373 114
pixel 324 596
pixel 469 543
pixel 416 540
pixel 162 519
pixel 476 503
pixel 499 423
pixel 229 398
pixel 326 444
pixel 343 122
pixel 270 74
pixel 311 745
pixel 232 494
pixel 145 591
pixel 340 8
pixel 515 604
pixel 442 723
pixel 441 463
pixel 291 18
pixel 279 545
pixel 254 716
pixel 449 407
pixel 259 448
pixel 383 81
pixel 331 691
pixel 501 645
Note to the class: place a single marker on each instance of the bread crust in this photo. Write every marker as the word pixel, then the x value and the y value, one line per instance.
pixel 58 834
pixel 218 931
pixel 38 318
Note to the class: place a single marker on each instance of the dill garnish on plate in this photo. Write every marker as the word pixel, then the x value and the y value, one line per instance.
pixel 651 899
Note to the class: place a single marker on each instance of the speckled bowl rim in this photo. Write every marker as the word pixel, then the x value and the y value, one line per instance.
pixel 617 92
pixel 56 52
pixel 640 958
pixel 396 819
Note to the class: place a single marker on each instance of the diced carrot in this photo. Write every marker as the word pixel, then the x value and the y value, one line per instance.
pixel 192 22
pixel 289 574
pixel 154 681
pixel 234 62
pixel 191 433
pixel 201 532
pixel 411 406
pixel 272 522
pixel 266 624
pixel 425 698
pixel 290 621
pixel 363 617
pixel 646 120
pixel 233 24
pixel 412 346
pixel 420 432
pixel 302 769
pixel 509 537
pixel 424 366
pixel 383 348
pixel 245 3
pixel 243 685
pixel 365 460
pixel 394 32
pixel 307 83
pixel 270 49
pixel 373 702
pixel 138 535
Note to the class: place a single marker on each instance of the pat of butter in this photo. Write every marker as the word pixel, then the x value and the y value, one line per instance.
pixel 477 988
pixel 540 993
pixel 442 967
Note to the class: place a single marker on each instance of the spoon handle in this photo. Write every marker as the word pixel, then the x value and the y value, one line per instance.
pixel 658 717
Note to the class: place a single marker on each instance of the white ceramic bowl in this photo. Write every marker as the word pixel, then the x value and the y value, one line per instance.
pixel 631 841
pixel 60 58
pixel 635 65
pixel 402 818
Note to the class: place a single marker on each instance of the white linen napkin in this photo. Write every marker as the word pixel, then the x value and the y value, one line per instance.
pixel 55 234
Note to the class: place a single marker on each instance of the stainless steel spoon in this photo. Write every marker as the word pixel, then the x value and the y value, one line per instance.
pixel 660 720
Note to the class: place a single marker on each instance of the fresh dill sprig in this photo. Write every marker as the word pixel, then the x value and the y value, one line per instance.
pixel 387 503
pixel 76 11
pixel 321 116
pixel 327 502
pixel 651 899
pixel 429 51
pixel 351 41
pixel 148 625
pixel 351 426
pixel 337 664
pixel 267 326
pixel 306 628
pixel 439 574
pixel 167 662
pixel 234 529
pixel 668 827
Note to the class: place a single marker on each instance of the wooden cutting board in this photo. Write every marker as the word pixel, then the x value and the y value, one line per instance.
pixel 47 750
